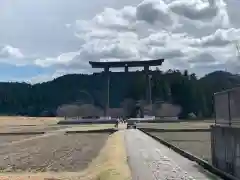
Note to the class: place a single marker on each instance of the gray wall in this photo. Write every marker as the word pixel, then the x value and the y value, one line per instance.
pixel 225 144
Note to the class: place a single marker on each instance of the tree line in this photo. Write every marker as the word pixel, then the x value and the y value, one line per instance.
pixel 194 95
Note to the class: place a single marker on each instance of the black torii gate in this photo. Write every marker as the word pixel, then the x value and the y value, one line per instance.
pixel 126 64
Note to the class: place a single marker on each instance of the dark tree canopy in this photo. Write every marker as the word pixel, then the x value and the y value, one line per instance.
pixel 183 88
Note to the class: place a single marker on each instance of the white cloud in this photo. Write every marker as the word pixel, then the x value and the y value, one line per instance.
pixel 116 19
pixel 8 51
pixel 194 34
pixel 221 37
pixel 64 60
pixel 166 53
pixel 122 46
pixel 14 56
pixel 201 10
pixel 154 11
pixel 155 29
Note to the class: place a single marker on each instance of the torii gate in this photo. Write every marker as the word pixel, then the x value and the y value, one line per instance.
pixel 126 64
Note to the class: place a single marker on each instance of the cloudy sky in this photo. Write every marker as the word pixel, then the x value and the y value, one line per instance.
pixel 44 39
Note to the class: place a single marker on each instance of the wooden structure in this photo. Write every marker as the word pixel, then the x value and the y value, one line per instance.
pixel 126 64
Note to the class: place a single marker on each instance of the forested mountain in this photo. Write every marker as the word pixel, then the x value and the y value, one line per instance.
pixel 194 95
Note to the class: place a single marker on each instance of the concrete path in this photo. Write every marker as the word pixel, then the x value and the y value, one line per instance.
pixel 150 160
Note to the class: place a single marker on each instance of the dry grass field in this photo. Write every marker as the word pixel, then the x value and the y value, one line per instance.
pixel 53 128
pixel 110 163
pixel 196 143
pixel 4 140
pixel 37 128
pixel 58 152
pixel 23 121
pixel 42 124
pixel 178 125
pixel 85 156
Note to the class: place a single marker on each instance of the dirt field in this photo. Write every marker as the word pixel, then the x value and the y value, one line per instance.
pixel 59 155
pixel 52 128
pixel 14 138
pixel 37 128
pixel 111 163
pixel 196 143
pixel 20 120
pixel 177 125
pixel 52 153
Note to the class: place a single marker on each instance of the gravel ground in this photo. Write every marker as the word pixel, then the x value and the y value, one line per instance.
pixel 197 143
pixel 9 139
pixel 52 153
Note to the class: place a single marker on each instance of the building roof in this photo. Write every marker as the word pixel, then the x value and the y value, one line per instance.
pixel 116 64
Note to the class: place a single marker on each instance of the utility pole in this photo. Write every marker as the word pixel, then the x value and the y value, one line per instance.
pixel 238 51
pixel 107 75
pixel 108 94
pixel 150 89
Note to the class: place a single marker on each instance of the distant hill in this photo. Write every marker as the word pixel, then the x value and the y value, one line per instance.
pixel 194 95
pixel 221 80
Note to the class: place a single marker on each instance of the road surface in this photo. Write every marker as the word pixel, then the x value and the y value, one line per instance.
pixel 150 160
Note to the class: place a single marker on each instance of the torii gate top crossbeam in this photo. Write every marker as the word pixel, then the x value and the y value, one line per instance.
pixel 117 64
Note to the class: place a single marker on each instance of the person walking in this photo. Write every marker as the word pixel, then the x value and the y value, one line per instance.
pixel 116 124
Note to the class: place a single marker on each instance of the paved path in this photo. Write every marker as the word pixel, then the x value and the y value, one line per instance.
pixel 150 160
